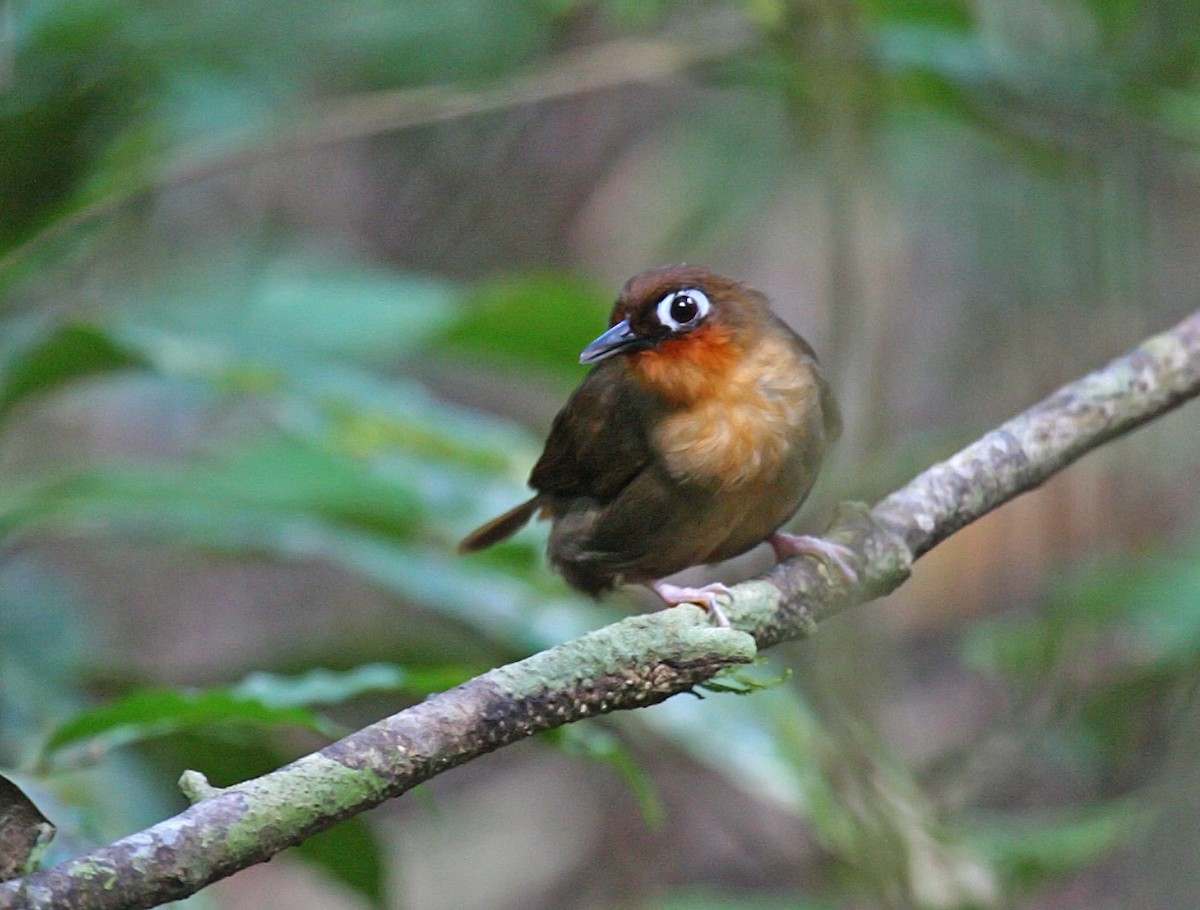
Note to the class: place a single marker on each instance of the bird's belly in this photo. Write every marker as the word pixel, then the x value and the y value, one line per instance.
pixel 666 527
pixel 727 448
pixel 744 468
pixel 751 514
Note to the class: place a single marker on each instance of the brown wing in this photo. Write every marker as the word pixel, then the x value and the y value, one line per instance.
pixel 595 449
pixel 597 444
pixel 831 414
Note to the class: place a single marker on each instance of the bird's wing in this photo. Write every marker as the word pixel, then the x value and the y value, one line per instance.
pixel 597 444
pixel 831 414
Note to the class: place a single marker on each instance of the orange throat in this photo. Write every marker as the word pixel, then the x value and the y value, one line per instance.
pixel 736 413
pixel 688 369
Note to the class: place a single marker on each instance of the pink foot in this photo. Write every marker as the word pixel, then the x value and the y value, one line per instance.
pixel 706 597
pixel 833 554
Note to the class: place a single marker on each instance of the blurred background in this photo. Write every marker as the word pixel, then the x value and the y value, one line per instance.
pixel 291 291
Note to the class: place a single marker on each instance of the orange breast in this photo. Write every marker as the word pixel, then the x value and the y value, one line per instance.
pixel 740 421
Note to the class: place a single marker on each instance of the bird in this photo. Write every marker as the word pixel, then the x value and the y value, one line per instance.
pixel 697 434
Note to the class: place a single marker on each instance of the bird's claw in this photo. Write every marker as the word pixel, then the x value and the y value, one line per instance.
pixel 674 595
pixel 833 554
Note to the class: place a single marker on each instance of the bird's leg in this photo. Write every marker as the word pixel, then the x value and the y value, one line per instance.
pixel 833 554
pixel 706 597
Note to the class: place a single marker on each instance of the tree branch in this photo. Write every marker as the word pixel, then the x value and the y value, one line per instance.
pixel 639 661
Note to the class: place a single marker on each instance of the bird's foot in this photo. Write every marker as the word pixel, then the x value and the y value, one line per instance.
pixel 833 554
pixel 706 597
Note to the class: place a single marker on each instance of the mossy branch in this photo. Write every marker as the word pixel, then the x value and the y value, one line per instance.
pixel 631 664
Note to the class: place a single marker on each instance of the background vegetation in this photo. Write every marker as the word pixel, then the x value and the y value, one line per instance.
pixel 291 291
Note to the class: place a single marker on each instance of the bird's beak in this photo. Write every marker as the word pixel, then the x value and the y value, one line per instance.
pixel 617 339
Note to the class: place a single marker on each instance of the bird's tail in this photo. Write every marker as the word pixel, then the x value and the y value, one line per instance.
pixel 500 528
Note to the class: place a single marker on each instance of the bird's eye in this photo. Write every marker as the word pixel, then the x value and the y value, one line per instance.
pixel 681 309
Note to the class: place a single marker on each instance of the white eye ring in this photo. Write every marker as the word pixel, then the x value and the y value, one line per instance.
pixel 683 308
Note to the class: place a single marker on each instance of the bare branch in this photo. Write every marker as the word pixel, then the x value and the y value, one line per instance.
pixel 637 662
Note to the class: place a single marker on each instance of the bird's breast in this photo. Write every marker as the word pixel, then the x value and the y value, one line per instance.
pixel 751 428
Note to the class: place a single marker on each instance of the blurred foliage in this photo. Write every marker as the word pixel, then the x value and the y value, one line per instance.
pixel 704 900
pixel 530 321
pixel 1114 645
pixel 295 364
pixel 261 701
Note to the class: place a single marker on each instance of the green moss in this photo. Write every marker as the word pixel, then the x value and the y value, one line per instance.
pixel 681 635
pixel 313 787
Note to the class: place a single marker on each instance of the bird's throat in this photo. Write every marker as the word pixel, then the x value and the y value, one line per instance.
pixel 689 369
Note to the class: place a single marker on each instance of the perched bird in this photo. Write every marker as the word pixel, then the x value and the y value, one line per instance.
pixel 695 437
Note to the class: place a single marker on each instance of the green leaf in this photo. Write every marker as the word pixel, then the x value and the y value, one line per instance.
pixel 539 320
pixel 319 304
pixel 385 519
pixel 225 500
pixel 331 687
pixel 736 681
pixel 336 406
pixel 261 700
pixel 302 305
pixel 1033 850
pixel 943 13
pixel 1141 614
pixel 150 713
pixel 77 78
pixel 104 102
pixel 69 352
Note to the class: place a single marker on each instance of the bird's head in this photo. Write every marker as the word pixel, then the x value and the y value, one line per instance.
pixel 680 329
